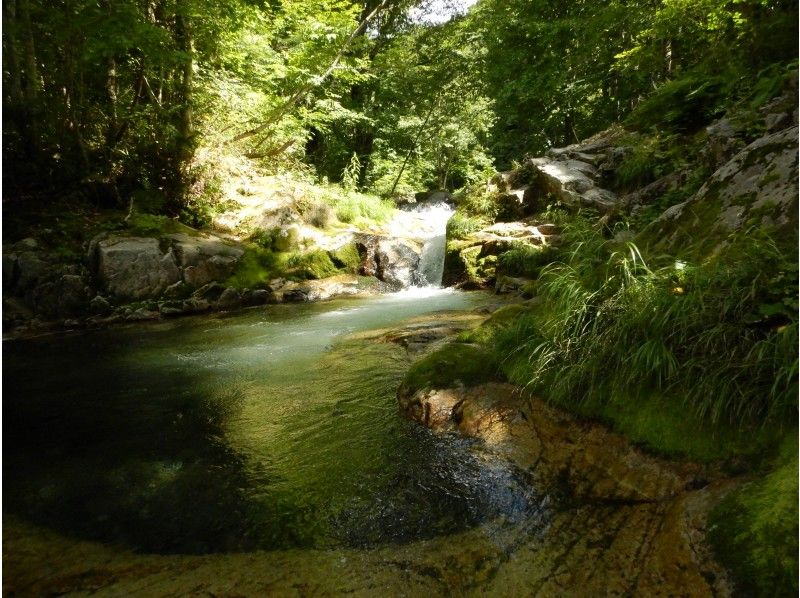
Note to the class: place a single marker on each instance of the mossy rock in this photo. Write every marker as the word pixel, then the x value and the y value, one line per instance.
pixel 150 225
pixel 346 257
pixel 314 264
pixel 453 364
pixel 502 318
pixel 754 529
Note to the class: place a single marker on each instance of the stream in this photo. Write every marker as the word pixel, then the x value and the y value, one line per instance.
pixel 265 429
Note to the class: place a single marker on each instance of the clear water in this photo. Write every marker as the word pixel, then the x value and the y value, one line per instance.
pixel 264 429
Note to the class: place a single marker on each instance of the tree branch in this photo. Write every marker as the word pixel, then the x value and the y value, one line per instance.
pixel 281 110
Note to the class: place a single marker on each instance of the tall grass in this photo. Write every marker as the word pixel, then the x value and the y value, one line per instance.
pixel 719 336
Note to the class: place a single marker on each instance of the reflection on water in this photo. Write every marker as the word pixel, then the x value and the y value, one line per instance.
pixel 263 429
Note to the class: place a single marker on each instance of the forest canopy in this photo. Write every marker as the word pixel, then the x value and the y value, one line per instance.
pixel 129 93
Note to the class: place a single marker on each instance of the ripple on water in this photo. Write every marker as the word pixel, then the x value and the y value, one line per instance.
pixel 197 439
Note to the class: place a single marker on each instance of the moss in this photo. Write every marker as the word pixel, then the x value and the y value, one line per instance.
pixel 149 225
pixel 754 529
pixel 455 363
pixel 257 267
pixel 502 318
pixel 346 257
pixel 314 264
pixel 461 226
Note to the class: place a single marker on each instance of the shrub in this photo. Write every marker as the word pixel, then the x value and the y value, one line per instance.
pixel 461 226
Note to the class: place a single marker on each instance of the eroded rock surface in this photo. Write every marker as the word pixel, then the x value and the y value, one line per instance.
pixel 757 187
pixel 625 523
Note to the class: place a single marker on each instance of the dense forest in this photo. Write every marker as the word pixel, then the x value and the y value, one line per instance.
pixel 623 173
pixel 142 95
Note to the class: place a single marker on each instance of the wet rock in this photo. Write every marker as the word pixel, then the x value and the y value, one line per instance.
pixel 230 298
pixel 100 306
pixel 397 260
pixel 210 292
pixel 196 305
pixel 142 314
pixel 260 296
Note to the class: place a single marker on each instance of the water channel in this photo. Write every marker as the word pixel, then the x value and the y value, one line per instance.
pixel 265 429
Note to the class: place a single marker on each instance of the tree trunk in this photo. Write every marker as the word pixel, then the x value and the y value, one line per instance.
pixel 185 124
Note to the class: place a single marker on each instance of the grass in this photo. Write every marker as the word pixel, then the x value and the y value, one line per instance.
pixel 754 529
pixel 719 336
pixel 525 260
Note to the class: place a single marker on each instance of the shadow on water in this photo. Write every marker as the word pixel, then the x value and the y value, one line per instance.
pixel 196 437
pixel 84 454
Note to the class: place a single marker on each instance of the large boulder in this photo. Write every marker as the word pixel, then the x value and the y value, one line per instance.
pixel 134 267
pixel 757 187
pixel 204 259
pixel 397 260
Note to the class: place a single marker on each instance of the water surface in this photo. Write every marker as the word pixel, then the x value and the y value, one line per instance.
pixel 263 429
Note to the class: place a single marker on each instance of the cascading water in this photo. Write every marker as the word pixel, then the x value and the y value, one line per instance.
pixel 431 262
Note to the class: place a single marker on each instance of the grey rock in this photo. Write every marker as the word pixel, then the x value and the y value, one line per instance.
pixel 66 296
pixel 230 298
pixel 776 122
pixel 179 290
pixel 100 306
pixel 27 244
pixel 134 267
pixel 32 270
pixel 260 297
pixel 759 182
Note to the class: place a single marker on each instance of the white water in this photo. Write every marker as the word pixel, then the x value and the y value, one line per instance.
pixel 431 262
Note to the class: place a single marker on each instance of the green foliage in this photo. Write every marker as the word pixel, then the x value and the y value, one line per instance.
pixel 754 529
pixel 613 330
pixel 461 226
pixel 264 238
pixel 685 104
pixel 352 173
pixel 524 260
pixel 450 365
pixel 355 207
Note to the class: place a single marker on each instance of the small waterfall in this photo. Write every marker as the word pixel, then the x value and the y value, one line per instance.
pixel 431 262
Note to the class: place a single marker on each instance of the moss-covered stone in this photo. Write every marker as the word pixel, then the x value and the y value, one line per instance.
pixel 346 257
pixel 754 529
pixel 314 264
pixel 501 318
pixel 452 364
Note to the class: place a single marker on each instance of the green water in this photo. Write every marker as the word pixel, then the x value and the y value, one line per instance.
pixel 265 429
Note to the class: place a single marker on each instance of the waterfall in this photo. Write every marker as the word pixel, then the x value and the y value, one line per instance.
pixel 431 262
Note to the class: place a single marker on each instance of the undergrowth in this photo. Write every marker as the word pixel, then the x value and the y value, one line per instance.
pixel 719 337
pixel 754 529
